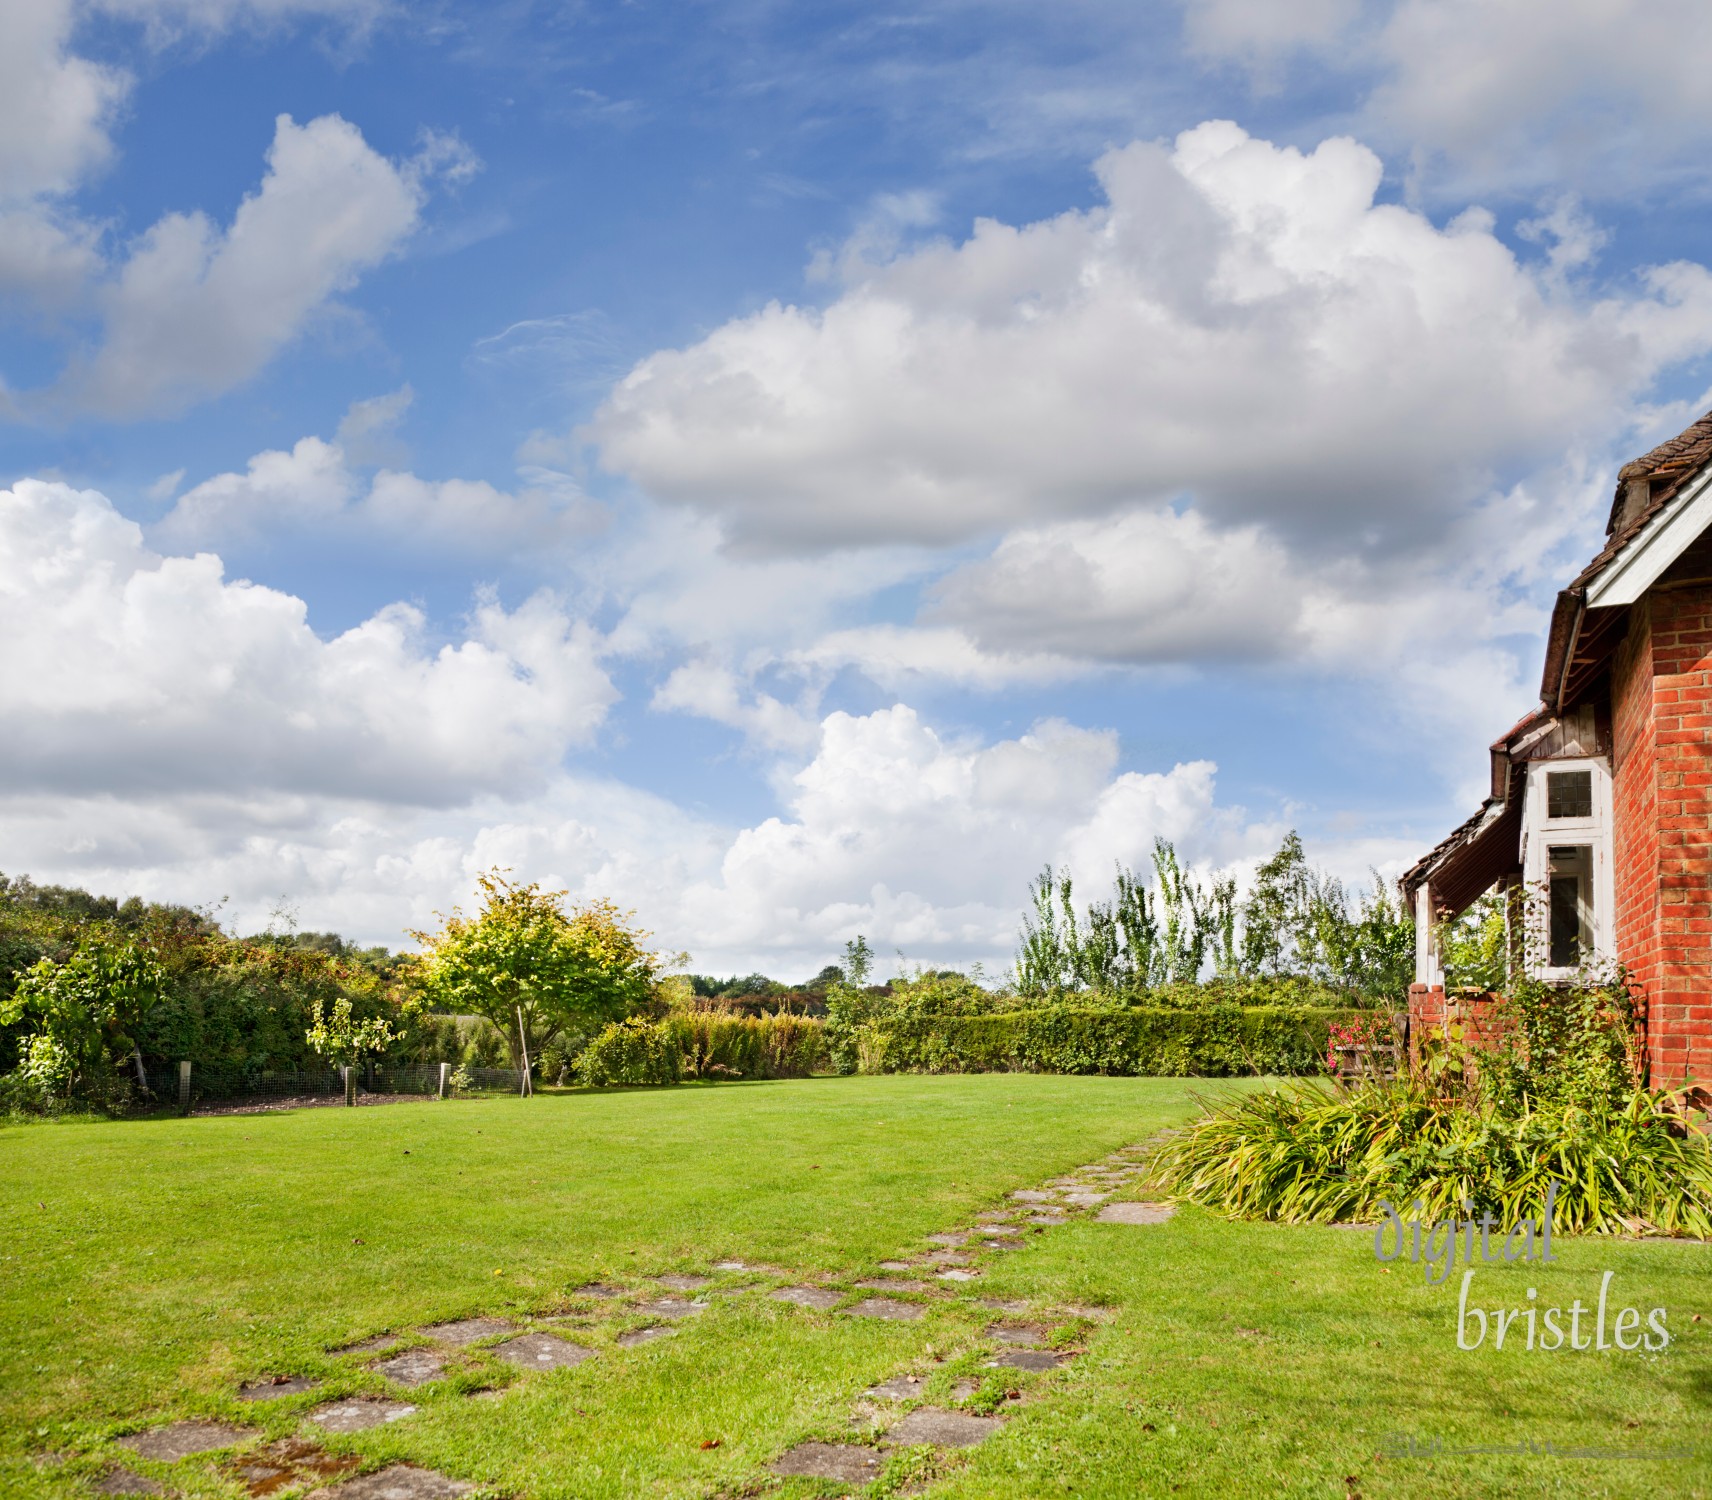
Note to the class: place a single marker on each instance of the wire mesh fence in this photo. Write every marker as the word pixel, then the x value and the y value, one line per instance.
pixel 191 1088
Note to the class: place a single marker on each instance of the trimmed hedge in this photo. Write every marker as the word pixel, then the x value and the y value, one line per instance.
pixel 702 1045
pixel 1217 1042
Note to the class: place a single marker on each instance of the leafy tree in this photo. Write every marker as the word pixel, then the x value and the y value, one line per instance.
pixel 525 955
pixel 82 1015
pixel 343 1040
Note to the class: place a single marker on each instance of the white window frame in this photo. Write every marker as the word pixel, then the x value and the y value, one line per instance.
pixel 1540 833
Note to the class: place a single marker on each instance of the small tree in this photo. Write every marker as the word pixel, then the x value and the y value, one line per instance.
pixel 535 969
pixel 343 1040
pixel 85 1013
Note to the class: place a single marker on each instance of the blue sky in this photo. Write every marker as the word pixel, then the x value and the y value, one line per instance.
pixel 801 470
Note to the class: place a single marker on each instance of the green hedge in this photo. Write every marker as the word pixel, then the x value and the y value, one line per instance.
pixel 1142 1041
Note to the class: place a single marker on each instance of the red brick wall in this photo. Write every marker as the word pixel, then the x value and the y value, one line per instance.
pixel 1679 996
pixel 1634 796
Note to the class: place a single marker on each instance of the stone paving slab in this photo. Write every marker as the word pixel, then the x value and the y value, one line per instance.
pixel 276 1386
pixel 413 1367
pixel 1032 1195
pixel 289 1462
pixel 885 1307
pixel 644 1336
pixel 465 1331
pixel 1024 1334
pixel 846 1462
pixel 1003 1304
pixel 998 1230
pixel 942 1428
pixel 809 1296
pixel 399 1482
pixel 897 1265
pixel 359 1415
pixel 958 1273
pixel 890 1284
pixel 542 1351
pixel 946 1258
pixel 1134 1213
pixel 1027 1359
pixel 732 1265
pixel 1048 1220
pixel 670 1307
pixel 1086 1199
pixel 377 1344
pixel 898 1388
pixel 950 1238
pixel 683 1283
pixel 965 1387
pixel 181 1439
pixel 125 1482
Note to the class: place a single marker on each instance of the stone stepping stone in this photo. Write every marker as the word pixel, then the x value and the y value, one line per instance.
pixel 1047 1219
pixel 542 1351
pixel 598 1289
pixel 943 1429
pixel 181 1439
pixel 1085 1199
pixel 994 1214
pixel 1027 1359
pixel 891 1284
pixel 399 1482
pixel 413 1367
pixel 276 1386
pixel 950 1239
pixel 946 1258
pixel 124 1482
pixel 1026 1334
pixel 291 1461
pixel 359 1415
pixel 898 1388
pixel 848 1463
pixel 1003 1304
pixel 818 1297
pixel 898 1265
pixel 467 1331
pixel 732 1265
pixel 671 1307
pixel 958 1273
pixel 644 1336
pixel 683 1283
pixel 1134 1213
pixel 378 1344
pixel 998 1230
pixel 885 1307
pixel 1032 1195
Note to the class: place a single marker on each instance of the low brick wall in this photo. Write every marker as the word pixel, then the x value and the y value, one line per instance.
pixel 1430 1010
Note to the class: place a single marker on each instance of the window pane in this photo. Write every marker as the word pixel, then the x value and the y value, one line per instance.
pixel 1571 905
pixel 1569 794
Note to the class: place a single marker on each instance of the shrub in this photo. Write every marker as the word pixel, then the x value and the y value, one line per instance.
pixel 1491 1127
pixel 1136 1041
pixel 633 1052
pixel 716 1045
pixel 1307 1153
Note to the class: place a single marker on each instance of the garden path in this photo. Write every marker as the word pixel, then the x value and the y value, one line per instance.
pixel 894 1414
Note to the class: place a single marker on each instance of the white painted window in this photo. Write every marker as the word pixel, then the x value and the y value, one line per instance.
pixel 1567 865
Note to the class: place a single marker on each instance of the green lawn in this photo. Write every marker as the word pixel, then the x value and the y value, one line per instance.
pixel 149 1267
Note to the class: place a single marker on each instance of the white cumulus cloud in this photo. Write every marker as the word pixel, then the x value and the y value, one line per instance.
pixel 132 673
pixel 1238 321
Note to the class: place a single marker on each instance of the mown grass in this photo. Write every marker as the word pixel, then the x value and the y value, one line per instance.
pixel 147 1268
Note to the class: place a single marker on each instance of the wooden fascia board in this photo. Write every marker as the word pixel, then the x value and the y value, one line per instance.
pixel 1661 541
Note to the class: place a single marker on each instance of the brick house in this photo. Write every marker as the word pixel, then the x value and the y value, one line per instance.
pixel 1601 798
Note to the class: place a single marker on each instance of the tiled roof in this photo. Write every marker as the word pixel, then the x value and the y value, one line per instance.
pixel 1669 466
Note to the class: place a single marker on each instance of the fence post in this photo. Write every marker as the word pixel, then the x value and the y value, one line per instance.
pixel 350 1075
pixel 184 1088
pixel 445 1068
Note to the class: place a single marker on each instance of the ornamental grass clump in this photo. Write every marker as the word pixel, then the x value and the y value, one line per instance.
pixel 1466 1128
